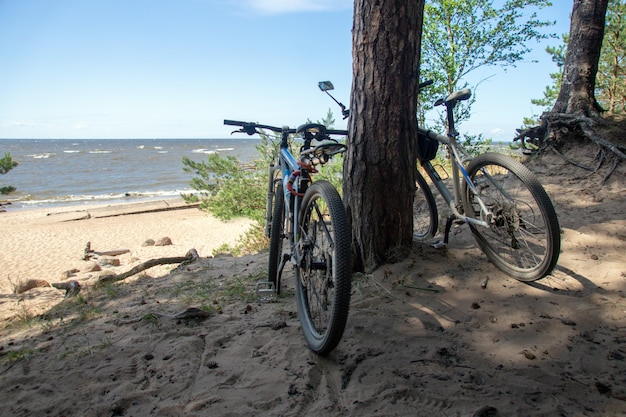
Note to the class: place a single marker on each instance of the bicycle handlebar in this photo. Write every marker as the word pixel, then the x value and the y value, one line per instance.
pixel 250 128
pixel 424 84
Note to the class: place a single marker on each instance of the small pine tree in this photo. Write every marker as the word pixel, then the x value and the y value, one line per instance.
pixel 7 164
pixel 552 91
pixel 228 188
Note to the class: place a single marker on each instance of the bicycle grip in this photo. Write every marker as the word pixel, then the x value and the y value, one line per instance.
pixel 424 84
pixel 234 123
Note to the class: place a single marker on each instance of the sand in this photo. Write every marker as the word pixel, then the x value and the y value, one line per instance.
pixel 424 338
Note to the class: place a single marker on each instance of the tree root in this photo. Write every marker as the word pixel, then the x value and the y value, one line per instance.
pixel 549 135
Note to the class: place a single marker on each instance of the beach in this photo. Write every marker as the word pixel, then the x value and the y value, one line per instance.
pixel 441 333
pixel 46 243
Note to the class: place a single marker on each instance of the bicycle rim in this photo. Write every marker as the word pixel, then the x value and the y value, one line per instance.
pixel 425 216
pixel 323 275
pixel 523 239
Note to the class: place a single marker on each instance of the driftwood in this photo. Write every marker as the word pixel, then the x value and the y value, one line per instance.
pixel 72 288
pixel 191 256
pixel 89 253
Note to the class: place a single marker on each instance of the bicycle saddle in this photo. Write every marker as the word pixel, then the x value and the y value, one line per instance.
pixel 311 128
pixel 454 97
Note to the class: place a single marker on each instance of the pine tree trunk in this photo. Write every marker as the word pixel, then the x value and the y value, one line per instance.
pixel 380 164
pixel 581 60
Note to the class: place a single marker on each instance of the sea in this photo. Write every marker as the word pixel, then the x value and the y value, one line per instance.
pixel 71 172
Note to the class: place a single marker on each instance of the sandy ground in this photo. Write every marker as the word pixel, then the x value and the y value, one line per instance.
pixel 424 338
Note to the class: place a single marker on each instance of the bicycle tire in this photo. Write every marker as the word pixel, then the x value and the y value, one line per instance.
pixel 324 273
pixel 276 236
pixel 524 238
pixel 425 215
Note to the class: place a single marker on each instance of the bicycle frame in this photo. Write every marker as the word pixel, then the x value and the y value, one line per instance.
pixel 459 157
pixel 287 166
pixel 295 180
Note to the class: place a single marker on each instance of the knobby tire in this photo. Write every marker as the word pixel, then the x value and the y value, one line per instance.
pixel 277 236
pixel 425 215
pixel 324 272
pixel 524 240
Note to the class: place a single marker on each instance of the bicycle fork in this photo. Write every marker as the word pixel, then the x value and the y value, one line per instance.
pixel 270 200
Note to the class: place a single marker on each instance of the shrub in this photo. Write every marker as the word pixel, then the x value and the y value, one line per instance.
pixel 7 164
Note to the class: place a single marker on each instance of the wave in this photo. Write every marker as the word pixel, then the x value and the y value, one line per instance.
pixel 71 151
pixel 100 151
pixel 30 201
pixel 205 151
pixel 44 155
pixel 225 149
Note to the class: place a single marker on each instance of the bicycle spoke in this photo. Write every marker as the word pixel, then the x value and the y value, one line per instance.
pixel 521 240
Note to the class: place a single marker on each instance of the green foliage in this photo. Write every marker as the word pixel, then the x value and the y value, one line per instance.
pixel 333 169
pixel 611 78
pixel 228 188
pixel 551 92
pixel 461 36
pixel 7 164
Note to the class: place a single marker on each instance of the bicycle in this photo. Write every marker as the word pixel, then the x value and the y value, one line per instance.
pixel 311 217
pixel 507 209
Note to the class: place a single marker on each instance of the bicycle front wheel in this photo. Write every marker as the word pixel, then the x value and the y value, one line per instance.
pixel 523 238
pixel 425 216
pixel 324 270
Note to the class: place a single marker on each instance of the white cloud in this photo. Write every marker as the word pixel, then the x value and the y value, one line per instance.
pixel 15 123
pixel 295 6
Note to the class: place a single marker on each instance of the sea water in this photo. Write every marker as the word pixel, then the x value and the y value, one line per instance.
pixel 54 172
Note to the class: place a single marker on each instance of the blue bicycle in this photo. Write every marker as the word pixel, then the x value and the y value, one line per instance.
pixel 311 217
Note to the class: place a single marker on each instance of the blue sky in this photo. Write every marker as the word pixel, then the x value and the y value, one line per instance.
pixel 176 69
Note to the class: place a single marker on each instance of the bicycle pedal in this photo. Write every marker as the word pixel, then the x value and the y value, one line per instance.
pixel 265 291
pixel 440 244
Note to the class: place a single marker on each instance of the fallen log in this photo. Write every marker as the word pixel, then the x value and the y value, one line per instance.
pixel 191 256
pixel 72 288
pixel 89 253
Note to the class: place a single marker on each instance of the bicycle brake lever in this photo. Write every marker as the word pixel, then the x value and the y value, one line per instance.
pixel 249 131
pixel 249 128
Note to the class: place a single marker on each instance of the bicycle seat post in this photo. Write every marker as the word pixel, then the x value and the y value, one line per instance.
pixel 452 133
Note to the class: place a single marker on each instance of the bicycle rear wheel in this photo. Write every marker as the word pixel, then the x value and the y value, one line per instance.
pixel 524 237
pixel 425 215
pixel 324 271
pixel 276 237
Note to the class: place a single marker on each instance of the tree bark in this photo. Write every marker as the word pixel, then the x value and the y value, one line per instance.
pixel 581 59
pixel 380 163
